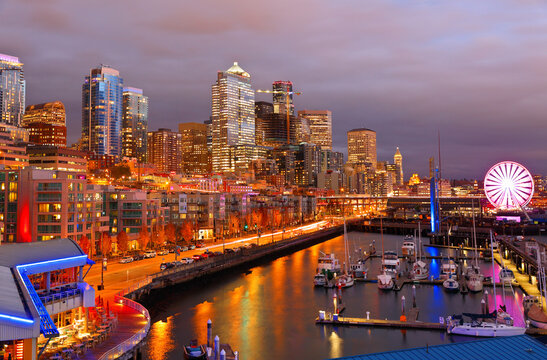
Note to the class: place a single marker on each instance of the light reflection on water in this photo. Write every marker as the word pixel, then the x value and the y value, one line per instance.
pixel 269 313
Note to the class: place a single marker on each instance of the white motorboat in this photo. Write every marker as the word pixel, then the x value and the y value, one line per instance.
pixel 391 263
pixel 506 276
pixel 480 328
pixel 328 262
pixel 408 248
pixel 451 285
pixel 385 281
pixel 358 269
pixel 475 282
pixel 448 269
pixel 320 279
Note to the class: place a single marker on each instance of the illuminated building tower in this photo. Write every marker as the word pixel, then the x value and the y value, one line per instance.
pixel 134 124
pixel 12 90
pixel 398 160
pixel 102 94
pixel 46 124
pixel 320 122
pixel 164 150
pixel 280 99
pixel 233 115
pixel 262 110
pixel 431 167
pixel 362 148
pixel 196 158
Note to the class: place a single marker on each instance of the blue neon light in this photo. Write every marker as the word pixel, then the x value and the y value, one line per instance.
pixel 53 261
pixel 16 319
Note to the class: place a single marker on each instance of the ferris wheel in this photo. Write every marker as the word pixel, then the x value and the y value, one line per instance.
pixel 508 185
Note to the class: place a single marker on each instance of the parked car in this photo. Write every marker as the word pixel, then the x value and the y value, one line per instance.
pixel 217 253
pixel 178 263
pixel 172 250
pixel 126 259
pixel 166 265
pixel 163 252
pixel 150 254
pixel 187 260
pixel 200 245
pixel 184 248
pixel 206 255
pixel 192 247
pixel 138 256
pixel 229 251
pixel 197 257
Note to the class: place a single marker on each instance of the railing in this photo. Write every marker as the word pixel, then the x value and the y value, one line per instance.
pixel 60 296
pixel 134 340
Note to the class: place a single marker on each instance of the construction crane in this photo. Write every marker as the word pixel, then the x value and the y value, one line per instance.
pixel 287 98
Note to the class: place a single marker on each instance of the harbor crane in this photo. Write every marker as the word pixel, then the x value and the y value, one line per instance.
pixel 287 98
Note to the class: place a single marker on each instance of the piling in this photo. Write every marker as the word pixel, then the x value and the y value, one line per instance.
pixel 222 355
pixel 483 307
pixel 413 295
pixel 486 305
pixel 209 333
pixel 217 348
pixel 335 302
pixel 236 355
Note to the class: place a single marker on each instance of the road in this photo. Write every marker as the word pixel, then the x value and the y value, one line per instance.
pixel 120 276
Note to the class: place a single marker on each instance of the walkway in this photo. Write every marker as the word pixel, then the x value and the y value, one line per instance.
pixel 522 279
pixel 129 322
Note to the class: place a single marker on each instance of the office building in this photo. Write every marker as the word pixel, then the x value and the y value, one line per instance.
pixel 262 109
pixel 57 158
pixel 134 124
pixel 164 150
pixel 13 155
pixel 320 122
pixel 196 158
pixel 307 164
pixel 233 117
pixel 46 123
pixel 12 90
pixel 102 100
pixel 282 91
pixel 398 160
pixel 362 149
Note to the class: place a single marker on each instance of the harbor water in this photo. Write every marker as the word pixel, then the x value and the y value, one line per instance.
pixel 269 311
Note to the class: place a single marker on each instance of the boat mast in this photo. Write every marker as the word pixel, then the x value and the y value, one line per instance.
pixel 494 278
pixel 345 247
pixel 382 237
pixel 475 235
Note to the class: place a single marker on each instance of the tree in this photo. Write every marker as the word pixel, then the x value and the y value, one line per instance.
pixel 144 237
pixel 85 244
pixel 122 240
pixel 106 243
pixel 187 231
pixel 161 236
pixel 234 223
pixel 170 232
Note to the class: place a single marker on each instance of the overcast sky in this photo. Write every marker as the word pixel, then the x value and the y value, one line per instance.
pixel 474 70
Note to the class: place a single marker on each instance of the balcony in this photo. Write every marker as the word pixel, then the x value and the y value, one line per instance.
pixel 68 297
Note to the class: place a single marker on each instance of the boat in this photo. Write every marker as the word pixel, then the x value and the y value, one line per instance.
pixel 372 248
pixel 328 262
pixel 408 248
pixel 479 328
pixel 534 313
pixel 506 276
pixel 195 352
pixel 358 269
pixel 420 270
pixel 320 279
pixel 391 263
pixel 346 279
pixel 448 269
pixel 385 280
pixel 451 285
pixel 475 280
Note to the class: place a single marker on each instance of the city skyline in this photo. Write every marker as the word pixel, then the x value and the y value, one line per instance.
pixel 471 71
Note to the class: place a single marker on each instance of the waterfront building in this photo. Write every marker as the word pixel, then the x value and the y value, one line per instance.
pixel 134 124
pixel 102 104
pixel 12 90
pixel 233 120
pixel 12 154
pixel 362 149
pixel 398 160
pixel 164 150
pixel 31 314
pixel 57 158
pixel 280 90
pixel 196 158
pixel 320 122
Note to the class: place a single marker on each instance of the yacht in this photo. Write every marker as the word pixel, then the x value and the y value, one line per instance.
pixel 506 276
pixel 385 282
pixel 408 248
pixel 448 269
pixel 358 269
pixel 391 263
pixel 534 313
pixel 328 262
pixel 451 285
pixel 320 279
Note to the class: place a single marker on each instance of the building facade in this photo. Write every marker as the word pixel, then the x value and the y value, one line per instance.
pixel 398 161
pixel 320 123
pixel 134 124
pixel 164 150
pixel 12 90
pixel 282 91
pixel 57 158
pixel 233 119
pixel 196 158
pixel 46 123
pixel 362 148
pixel 102 98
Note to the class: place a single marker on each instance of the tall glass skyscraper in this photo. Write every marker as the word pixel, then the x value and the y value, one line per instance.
pixel 233 115
pixel 280 99
pixel 134 124
pixel 12 90
pixel 320 122
pixel 102 93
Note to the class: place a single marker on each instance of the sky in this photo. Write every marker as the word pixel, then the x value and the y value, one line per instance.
pixel 473 71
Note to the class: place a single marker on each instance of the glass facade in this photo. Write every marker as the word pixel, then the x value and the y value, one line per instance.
pixel 320 124
pixel 102 94
pixel 12 90
pixel 134 124
pixel 362 147
pixel 233 116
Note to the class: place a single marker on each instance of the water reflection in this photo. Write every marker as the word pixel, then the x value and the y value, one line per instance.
pixel 335 345
pixel 161 341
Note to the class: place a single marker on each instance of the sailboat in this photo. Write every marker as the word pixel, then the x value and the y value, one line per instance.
pixel 473 274
pixel 480 328
pixel 420 271
pixel 346 279
pixel 533 305
pixel 385 281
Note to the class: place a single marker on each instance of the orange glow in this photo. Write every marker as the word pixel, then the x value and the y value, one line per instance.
pixel 23 224
pixel 202 313
pixel 161 339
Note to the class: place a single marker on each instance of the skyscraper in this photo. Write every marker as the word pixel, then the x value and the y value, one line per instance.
pixel 398 160
pixel 46 123
pixel 102 97
pixel 233 115
pixel 320 122
pixel 164 152
pixel 196 158
pixel 280 99
pixel 12 90
pixel 134 124
pixel 362 149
